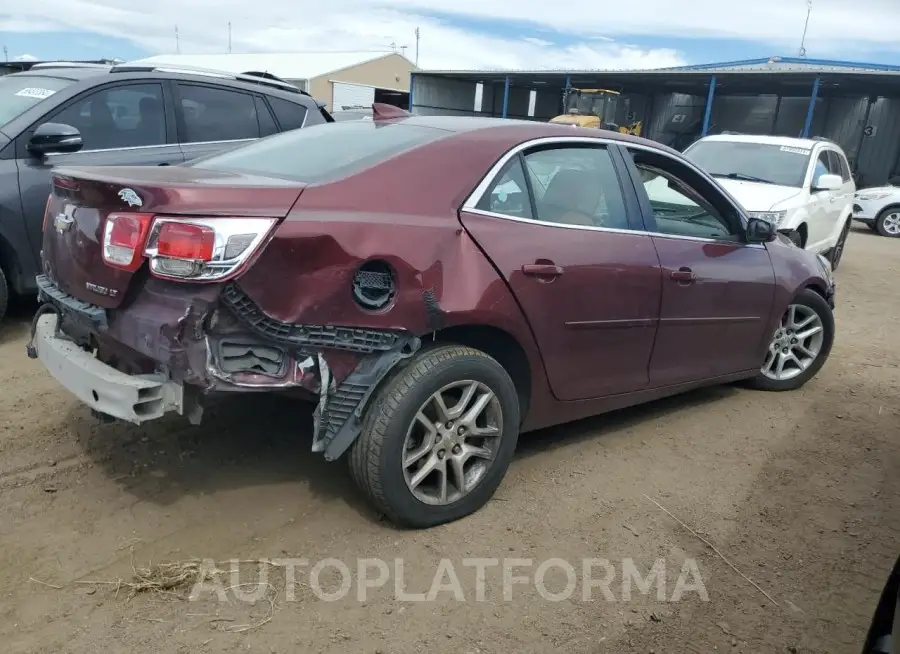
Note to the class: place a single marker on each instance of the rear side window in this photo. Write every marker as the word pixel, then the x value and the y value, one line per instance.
pixel 214 114
pixel 267 125
pixel 290 115
pixel 323 152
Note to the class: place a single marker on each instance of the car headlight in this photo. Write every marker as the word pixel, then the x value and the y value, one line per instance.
pixel 865 197
pixel 774 217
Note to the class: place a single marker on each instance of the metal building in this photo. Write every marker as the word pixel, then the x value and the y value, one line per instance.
pixel 341 79
pixel 855 104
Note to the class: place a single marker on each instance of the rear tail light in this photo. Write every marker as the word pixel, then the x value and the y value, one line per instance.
pixel 197 249
pixel 204 249
pixel 123 237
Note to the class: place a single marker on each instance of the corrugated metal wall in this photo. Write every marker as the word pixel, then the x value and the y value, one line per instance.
pixel 872 142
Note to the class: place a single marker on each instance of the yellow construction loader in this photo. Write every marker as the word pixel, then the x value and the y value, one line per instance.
pixel 596 108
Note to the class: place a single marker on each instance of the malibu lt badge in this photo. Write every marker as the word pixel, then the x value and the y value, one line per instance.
pixel 101 290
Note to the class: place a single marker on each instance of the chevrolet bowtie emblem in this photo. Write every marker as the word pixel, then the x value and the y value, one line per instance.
pixel 63 221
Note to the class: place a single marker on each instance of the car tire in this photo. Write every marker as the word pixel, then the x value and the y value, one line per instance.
pixel 837 252
pixel 796 238
pixel 888 222
pixel 4 294
pixel 376 459
pixel 808 302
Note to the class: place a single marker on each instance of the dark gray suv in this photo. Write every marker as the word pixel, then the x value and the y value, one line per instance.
pixel 98 115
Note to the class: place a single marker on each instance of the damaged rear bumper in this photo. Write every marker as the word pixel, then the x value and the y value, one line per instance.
pixel 166 350
pixel 134 398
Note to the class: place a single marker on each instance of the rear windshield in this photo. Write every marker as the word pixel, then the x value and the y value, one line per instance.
pixel 322 152
pixel 20 93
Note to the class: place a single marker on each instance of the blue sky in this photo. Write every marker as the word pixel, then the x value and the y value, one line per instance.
pixel 474 34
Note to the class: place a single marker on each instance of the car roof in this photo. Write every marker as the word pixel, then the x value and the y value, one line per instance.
pixel 788 141
pixel 63 72
pixel 527 129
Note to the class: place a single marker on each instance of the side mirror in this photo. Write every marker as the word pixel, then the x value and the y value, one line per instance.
pixel 760 231
pixel 828 183
pixel 55 138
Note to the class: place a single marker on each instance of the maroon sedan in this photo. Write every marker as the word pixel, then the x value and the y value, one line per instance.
pixel 437 284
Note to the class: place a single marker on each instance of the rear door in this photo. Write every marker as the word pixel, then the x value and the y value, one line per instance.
pixel 121 124
pixel 717 290
pixel 213 118
pixel 561 228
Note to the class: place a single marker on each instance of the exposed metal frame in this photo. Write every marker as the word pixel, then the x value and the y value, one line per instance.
pixel 710 96
pixel 811 109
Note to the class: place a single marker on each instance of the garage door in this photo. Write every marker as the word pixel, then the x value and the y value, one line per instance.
pixel 347 96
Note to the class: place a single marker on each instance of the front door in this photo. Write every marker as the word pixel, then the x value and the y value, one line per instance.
pixel 121 125
pixel 717 290
pixel 587 281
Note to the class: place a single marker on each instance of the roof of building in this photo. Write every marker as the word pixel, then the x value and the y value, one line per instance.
pixel 770 64
pixel 286 65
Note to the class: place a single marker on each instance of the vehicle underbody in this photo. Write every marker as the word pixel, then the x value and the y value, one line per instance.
pixel 186 343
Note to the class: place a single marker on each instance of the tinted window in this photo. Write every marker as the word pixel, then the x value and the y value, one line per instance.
pixel 837 164
pixel 212 114
pixel 290 115
pixel 509 193
pixel 118 117
pixel 267 124
pixel 826 164
pixel 322 152
pixel 684 202
pixel 761 162
pixel 17 94
pixel 576 186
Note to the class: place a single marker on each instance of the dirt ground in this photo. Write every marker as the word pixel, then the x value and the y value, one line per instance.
pixel 800 492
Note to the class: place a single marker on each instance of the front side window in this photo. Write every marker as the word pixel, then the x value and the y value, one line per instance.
pixel 118 117
pixel 678 199
pixel 18 93
pixel 213 114
pixel 763 163
pixel 825 165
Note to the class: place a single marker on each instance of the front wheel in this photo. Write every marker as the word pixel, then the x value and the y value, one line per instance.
pixel 888 222
pixel 438 437
pixel 800 346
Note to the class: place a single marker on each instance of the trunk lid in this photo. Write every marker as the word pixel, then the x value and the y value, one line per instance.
pixel 82 198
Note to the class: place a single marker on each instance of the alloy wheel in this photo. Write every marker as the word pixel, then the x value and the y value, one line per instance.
pixel 891 223
pixel 796 344
pixel 452 442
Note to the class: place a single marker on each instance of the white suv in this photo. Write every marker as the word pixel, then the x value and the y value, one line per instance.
pixel 879 208
pixel 804 186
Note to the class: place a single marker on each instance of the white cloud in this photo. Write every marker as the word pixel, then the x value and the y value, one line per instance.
pixel 591 32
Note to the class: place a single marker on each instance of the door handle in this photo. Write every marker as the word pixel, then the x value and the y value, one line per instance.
pixel 542 270
pixel 683 274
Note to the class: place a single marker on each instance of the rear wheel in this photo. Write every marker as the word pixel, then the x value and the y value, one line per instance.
pixel 438 437
pixel 800 346
pixel 888 222
pixel 838 250
pixel 4 294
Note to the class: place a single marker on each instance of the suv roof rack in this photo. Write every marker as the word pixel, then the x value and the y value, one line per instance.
pixel 266 79
pixel 67 64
